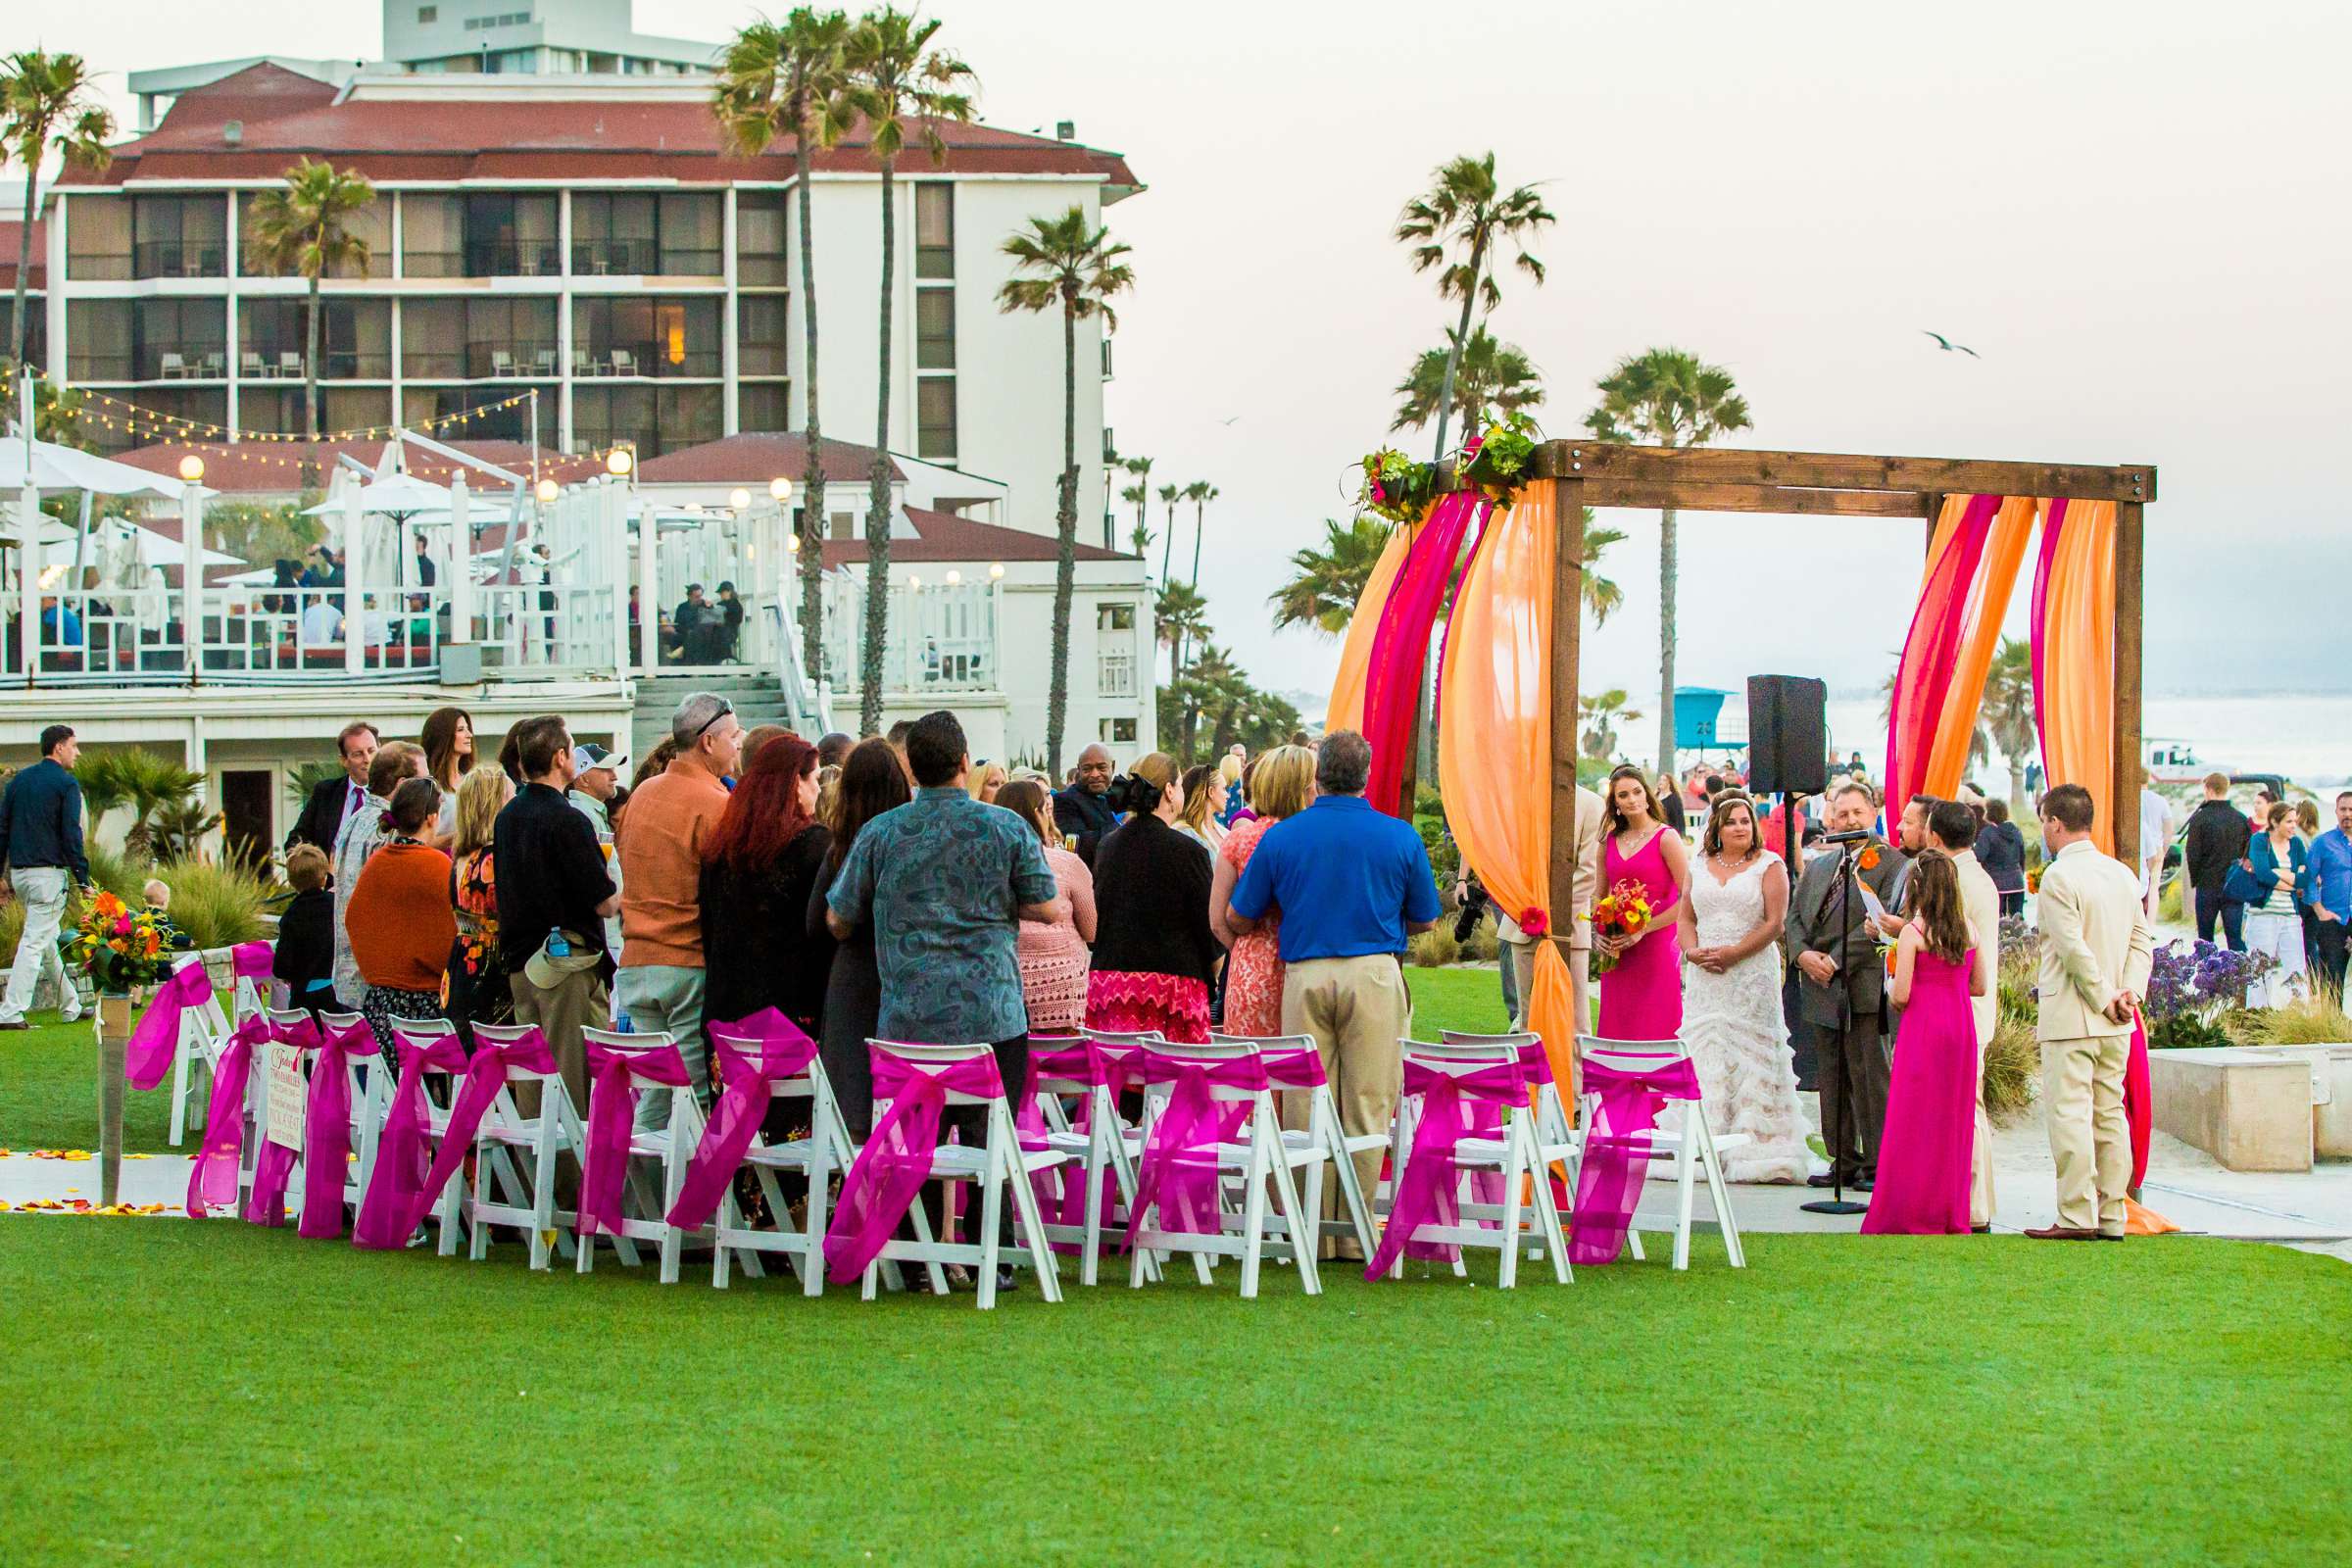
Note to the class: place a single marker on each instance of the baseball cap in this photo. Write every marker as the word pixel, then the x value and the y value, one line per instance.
pixel 589 756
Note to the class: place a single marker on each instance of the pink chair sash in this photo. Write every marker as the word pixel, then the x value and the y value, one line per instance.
pixel 612 1126
pixel 156 1041
pixel 1299 1067
pixel 747 1079
pixel 251 960
pixel 1060 1189
pixel 477 1092
pixel 405 1153
pixel 325 1132
pixel 1428 1193
pixel 213 1182
pixel 1179 1167
pixel 1617 1151
pixel 898 1158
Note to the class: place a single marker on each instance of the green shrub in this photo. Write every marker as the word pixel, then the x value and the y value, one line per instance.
pixel 1435 948
pixel 2012 1070
pixel 1484 946
pixel 218 903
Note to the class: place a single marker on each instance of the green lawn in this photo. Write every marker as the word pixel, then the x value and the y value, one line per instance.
pixel 196 1394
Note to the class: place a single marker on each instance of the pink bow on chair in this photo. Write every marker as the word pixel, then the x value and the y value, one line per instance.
pixel 148 1054
pixel 1617 1151
pixel 477 1092
pixel 403 1155
pixel 898 1158
pixel 746 1083
pixel 612 1126
pixel 1179 1165
pixel 325 1132
pixel 212 1183
pixel 1428 1189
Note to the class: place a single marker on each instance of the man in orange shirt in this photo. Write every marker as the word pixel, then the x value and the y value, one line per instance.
pixel 670 816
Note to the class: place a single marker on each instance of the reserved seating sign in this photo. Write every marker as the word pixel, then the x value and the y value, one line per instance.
pixel 288 1095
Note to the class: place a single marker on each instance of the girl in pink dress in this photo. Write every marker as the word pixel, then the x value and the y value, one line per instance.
pixel 1922 1187
pixel 1281 784
pixel 1053 953
pixel 1641 997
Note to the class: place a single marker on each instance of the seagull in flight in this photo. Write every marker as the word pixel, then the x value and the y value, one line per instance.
pixel 1951 347
pixel 1235 420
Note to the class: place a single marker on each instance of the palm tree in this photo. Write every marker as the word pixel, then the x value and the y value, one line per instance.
pixel 1603 597
pixel 1668 397
pixel 1141 537
pixel 1466 213
pixel 1169 495
pixel 1180 614
pixel 1328 580
pixel 1491 374
pixel 2008 712
pixel 786 79
pixel 1602 716
pixel 301 231
pixel 1199 493
pixel 902 86
pixel 1069 263
pixel 47 104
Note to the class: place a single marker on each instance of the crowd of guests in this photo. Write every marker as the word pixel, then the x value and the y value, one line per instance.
pixel 885 888
pixel 2273 881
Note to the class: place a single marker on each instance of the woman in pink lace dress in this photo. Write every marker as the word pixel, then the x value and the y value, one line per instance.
pixel 1281 783
pixel 1052 951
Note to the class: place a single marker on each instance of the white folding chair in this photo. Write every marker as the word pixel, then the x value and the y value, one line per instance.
pixel 1260 1162
pixel 819 1158
pixel 370 1099
pixel 202 1030
pixel 998 1165
pixel 555 1129
pixel 673 1144
pixel 1692 1145
pixel 1553 1130
pixel 1107 1146
pixel 1520 1155
pixel 1322 1131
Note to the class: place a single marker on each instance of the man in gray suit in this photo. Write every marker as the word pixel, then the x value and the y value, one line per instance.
pixel 1832 947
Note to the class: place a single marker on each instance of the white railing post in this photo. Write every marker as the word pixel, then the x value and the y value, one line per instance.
pixel 460 562
pixel 191 573
pixel 28 573
pixel 354 561
pixel 649 585
pixel 612 517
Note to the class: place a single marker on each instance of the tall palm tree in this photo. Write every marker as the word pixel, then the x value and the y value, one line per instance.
pixel 1602 716
pixel 1491 374
pixel 1199 493
pixel 1141 538
pixel 2008 709
pixel 1071 264
pixel 902 87
pixel 1178 614
pixel 48 102
pixel 302 230
pixel 1603 597
pixel 1328 580
pixel 1455 226
pixel 1666 396
pixel 1169 495
pixel 786 79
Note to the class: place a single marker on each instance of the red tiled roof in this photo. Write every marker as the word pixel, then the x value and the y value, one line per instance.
pixel 754 457
pixel 255 467
pixel 12 232
pixel 943 536
pixel 284 116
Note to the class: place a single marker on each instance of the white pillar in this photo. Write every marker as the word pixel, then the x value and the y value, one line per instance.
pixel 28 576
pixel 191 574
pixel 648 582
pixel 613 523
pixel 355 559
pixel 460 562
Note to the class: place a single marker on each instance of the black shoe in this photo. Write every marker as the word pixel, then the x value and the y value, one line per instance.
pixel 1007 1280
pixel 16 1024
pixel 1861 1185
pixel 1825 1179
pixel 2104 1237
pixel 1980 1230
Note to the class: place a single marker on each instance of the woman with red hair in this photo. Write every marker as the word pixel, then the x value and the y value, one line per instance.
pixel 758 869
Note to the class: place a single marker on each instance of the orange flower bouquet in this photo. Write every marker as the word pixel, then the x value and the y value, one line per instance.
pixel 120 948
pixel 1623 912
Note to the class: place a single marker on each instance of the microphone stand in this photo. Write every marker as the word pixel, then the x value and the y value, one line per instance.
pixel 1837 1203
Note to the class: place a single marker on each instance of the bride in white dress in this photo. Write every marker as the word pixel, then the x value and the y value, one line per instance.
pixel 1731 1021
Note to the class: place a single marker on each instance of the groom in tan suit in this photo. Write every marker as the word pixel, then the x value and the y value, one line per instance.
pixel 2096 950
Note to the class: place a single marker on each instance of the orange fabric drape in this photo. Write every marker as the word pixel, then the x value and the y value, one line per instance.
pixel 1494 746
pixel 2078 697
pixel 1980 638
pixel 1347 709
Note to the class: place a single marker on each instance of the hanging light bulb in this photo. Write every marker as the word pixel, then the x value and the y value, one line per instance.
pixel 191 468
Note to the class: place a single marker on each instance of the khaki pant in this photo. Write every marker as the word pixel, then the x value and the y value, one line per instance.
pixel 2082 1089
pixel 1980 1164
pixel 1521 956
pixel 562 1011
pixel 1357 1009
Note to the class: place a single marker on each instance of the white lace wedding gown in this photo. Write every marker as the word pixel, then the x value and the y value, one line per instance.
pixel 1732 1027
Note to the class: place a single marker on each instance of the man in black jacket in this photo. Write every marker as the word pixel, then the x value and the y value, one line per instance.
pixel 1083 811
pixel 40 843
pixel 2214 840
pixel 333 802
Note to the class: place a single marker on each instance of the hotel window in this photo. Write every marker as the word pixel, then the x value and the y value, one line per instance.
pixel 477 339
pixel 1118 731
pixel 633 335
pixel 36 326
pixel 762 253
pixel 658 418
pixel 935 417
pixel 278 408
pixel 97 238
pixel 761 347
pixel 202 405
pixel 511 236
pixel 179 236
pixel 841 525
pixel 637 233
pixel 355 339
pixel 169 340
pixel 512 423
pixel 427 16
pixel 934 228
pixel 1114 618
pixel 935 330
pixel 98 338
pixel 765 405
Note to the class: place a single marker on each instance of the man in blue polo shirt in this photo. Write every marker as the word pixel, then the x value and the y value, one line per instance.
pixel 1351 884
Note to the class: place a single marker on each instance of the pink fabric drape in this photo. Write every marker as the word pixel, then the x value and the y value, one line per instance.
pixel 148 1054
pixel 1955 722
pixel 405 1153
pixel 1347 707
pixel 1179 1166
pixel 327 1129
pixel 898 1158
pixel 1428 1192
pixel 1931 650
pixel 2073 657
pixel 1400 647
pixel 750 1058
pixel 611 1125
pixel 1060 1189
pixel 212 1183
pixel 477 1092
pixel 1617 1151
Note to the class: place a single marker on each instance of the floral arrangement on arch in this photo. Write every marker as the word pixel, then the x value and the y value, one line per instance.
pixel 1498 457
pixel 1395 487
pixel 1622 911
pixel 121 948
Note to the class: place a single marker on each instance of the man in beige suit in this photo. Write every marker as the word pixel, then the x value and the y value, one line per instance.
pixel 2096 950
pixel 1952 828
pixel 1519 949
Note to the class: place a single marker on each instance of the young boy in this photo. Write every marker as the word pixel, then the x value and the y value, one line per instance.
pixel 306 932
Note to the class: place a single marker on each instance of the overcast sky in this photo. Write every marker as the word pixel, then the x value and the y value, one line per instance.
pixel 2136 212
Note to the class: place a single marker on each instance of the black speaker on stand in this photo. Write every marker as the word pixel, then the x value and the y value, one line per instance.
pixel 1788 754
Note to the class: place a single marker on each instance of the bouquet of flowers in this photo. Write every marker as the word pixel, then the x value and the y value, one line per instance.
pixel 1498 460
pixel 1623 912
pixel 1395 486
pixel 120 949
pixel 2190 985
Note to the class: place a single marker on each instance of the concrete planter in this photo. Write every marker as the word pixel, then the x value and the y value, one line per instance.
pixel 2255 1109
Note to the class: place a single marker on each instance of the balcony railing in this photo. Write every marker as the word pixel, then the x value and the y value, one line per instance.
pixel 940 637
pixel 180 365
pixel 591 257
pixel 644 358
pixel 179 258
pixel 512 259
pixel 339 364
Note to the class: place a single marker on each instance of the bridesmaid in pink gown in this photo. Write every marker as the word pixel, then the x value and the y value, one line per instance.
pixel 1641 997
pixel 1930 1133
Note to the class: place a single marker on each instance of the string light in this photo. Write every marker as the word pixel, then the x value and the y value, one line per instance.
pixel 155 421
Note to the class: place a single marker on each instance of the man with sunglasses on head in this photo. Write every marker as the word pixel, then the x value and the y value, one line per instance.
pixel 670 818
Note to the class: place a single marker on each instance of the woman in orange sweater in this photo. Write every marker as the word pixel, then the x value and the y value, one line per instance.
pixel 400 918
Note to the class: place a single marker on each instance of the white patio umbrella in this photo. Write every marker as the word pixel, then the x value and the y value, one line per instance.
pixel 54 467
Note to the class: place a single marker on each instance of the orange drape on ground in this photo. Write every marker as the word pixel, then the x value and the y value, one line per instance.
pixel 1494 746
pixel 1347 709
pixel 2078 697
pixel 1980 638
